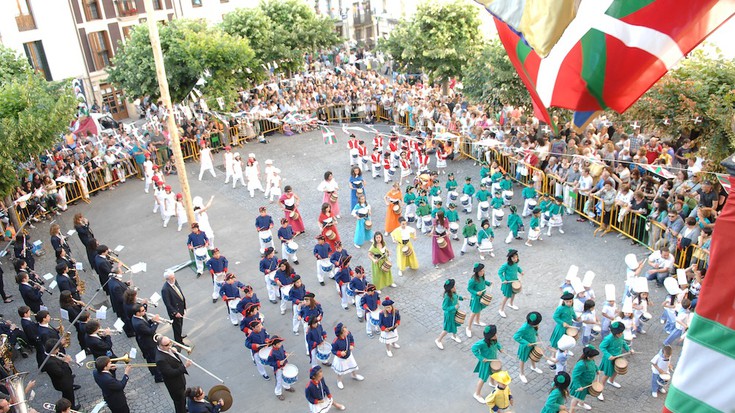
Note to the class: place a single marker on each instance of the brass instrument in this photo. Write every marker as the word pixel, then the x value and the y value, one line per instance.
pixel 52 407
pixel 17 390
pixel 124 359
pixel 163 320
pixel 40 286
pixel 65 335
pixel 157 338
pixel 220 392
pixel 146 302
pixel 81 285
pixel 6 354
pixel 83 304
pixel 114 260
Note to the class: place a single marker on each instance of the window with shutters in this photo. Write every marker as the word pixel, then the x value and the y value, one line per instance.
pixel 92 10
pixel 196 3
pixel 24 16
pixel 99 43
pixel 37 58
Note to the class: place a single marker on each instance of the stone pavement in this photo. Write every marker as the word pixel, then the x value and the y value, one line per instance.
pixel 419 376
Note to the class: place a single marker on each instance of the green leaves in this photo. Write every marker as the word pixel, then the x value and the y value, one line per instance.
pixel 440 39
pixel 491 78
pixel 189 47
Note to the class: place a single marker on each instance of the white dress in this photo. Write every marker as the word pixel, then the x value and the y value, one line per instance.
pixel 251 174
pixel 202 218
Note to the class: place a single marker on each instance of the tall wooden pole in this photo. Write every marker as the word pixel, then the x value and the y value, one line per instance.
pixel 173 130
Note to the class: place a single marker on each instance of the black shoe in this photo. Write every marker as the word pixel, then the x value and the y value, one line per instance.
pixel 24 354
pixel 183 336
pixel 77 387
pixel 274 302
pixel 159 380
pixel 321 282
pixel 214 300
pixel 290 390
pixel 266 377
pixel 199 274
pixel 360 320
pixel 296 262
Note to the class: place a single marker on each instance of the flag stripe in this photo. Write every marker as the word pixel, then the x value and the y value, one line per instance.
pixel 680 402
pixel 713 335
pixel 712 367
pixel 594 55
pixel 622 8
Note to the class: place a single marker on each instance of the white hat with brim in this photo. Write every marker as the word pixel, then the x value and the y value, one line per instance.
pixel 572 273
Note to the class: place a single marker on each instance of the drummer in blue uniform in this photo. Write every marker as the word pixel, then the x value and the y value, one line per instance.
pixel 342 280
pixel 250 314
pixel 310 310
pixel 278 359
pixel 230 291
pixel 197 239
pixel 268 265
pixel 264 222
pixel 339 253
pixel 217 270
pixel 296 296
pixel 285 234
pixel 356 290
pixel 256 340
pixel 318 394
pixel 314 338
pixel 249 297
pixel 321 252
pixel 369 303
pixel 284 277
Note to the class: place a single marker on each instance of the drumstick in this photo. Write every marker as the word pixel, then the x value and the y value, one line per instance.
pixel 490 360
pixel 621 355
pixel 589 385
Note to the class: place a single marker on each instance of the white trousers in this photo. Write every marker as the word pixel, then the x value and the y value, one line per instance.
pixel 376 167
pixel 270 288
pixel 204 167
pixel 280 385
pixel 258 364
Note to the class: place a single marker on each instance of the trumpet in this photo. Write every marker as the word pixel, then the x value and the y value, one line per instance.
pixel 144 301
pixel 119 262
pixel 163 320
pixel 157 338
pixel 52 407
pixel 83 304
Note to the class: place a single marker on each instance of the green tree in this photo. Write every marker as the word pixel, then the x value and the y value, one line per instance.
pixel 491 78
pixel 33 114
pixel 700 88
pixel 441 39
pixel 282 32
pixel 190 48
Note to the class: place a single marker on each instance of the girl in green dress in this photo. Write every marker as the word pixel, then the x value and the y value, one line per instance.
pixel 564 316
pixel 450 305
pixel 508 272
pixel 476 286
pixel 486 350
pixel 515 224
pixel 584 373
pixel 558 396
pixel 527 337
pixel 612 346
pixel 378 254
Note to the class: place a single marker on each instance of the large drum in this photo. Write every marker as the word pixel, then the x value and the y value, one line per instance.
pixel 646 316
pixel 484 206
pixel 323 351
pixel 368 224
pixel 397 209
pixel 333 197
pixel 441 242
pixel 406 251
pixel 621 366
pixel 263 354
pixel 294 215
pixel 285 290
pixel 459 317
pixel 291 247
pixel 471 241
pixel 496 366
pixel 572 332
pixel 201 253
pixel 330 235
pixel 486 245
pixel 663 379
pixel 326 265
pixel 386 266
pixel 375 317
pixel 265 236
pixel 596 330
pixel 411 218
pixel 536 353
pixel 426 219
pixel 531 203
pixel 508 195
pixel 453 227
pixel 349 291
pixel 534 234
pixel 516 286
pixel 465 200
pixel 233 304
pixel 498 214
pixel 290 374
pixel 595 389
pixel 453 195
pixel 486 298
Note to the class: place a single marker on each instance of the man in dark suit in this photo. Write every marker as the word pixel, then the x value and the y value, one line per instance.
pixel 31 294
pixel 175 303
pixel 113 390
pixel 60 373
pixel 30 328
pixel 116 287
pixel 145 329
pixel 45 331
pixel 81 225
pixel 98 341
pixel 65 282
pixel 173 371
pixel 103 266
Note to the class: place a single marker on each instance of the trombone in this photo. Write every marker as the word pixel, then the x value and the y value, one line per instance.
pixel 91 365
pixel 119 262
pixel 157 338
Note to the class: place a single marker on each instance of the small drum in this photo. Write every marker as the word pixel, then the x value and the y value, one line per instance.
pixel 397 209
pixel 453 227
pixel 508 195
pixel 291 247
pixel 354 152
pixel 486 298
pixel 536 353
pixel 330 235
pixel 621 366
pixel 333 197
pixel 498 214
pixel 233 304
pixel 326 265
pixel 453 195
pixel 464 200
pixel 391 172
pixel 375 317
pixel 664 379
pixel 441 242
pixel 359 191
pixel 596 330
pixel 406 251
pixel 368 224
pixel 201 253
pixel 534 234
pixel 386 266
pixel 272 278
pixel 646 316
pixel 531 203
pixel 294 215
pixel 516 286
pixel 263 354
pixel 411 218
pixel 471 241
pixel 572 332
pixel 285 290
pixel 486 245
pixel 426 220
pixel 290 374
pixel 265 237
pixel 566 343
pixel 459 317
pixel 350 292
pixel 595 389
pixel 484 205
pixel 323 351
pixel 496 365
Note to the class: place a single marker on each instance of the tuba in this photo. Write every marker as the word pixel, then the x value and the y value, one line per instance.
pixel 16 386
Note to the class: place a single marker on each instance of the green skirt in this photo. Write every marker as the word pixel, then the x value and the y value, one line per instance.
pixel 578 394
pixel 524 352
pixel 483 370
pixel 475 305
pixel 450 326
pixel 381 278
pixel 556 335
pixel 507 290
pixel 607 366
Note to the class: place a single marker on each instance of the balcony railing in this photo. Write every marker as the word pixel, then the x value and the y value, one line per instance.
pixel 126 8
pixel 25 22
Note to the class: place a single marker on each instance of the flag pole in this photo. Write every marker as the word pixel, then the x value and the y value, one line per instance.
pixel 173 130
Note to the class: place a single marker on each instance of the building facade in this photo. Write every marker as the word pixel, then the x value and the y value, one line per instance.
pixel 77 39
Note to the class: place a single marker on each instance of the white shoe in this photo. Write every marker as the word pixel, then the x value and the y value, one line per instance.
pixel 482 257
pixel 662 390
pixel 569 353
pixel 468 332
pixel 537 370
pixel 340 385
pixel 357 246
pixel 492 254
pixel 456 338
pixel 439 344
pixel 393 285
pixel 523 378
pixel 400 273
pixel 396 345
pixel 654 394
pixel 614 384
pixel 601 398
pixel 479 398
pixel 358 377
pixel 390 353
pixel 561 231
pixel 502 313
pixel 512 306
pixel 586 406
pixel 481 324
